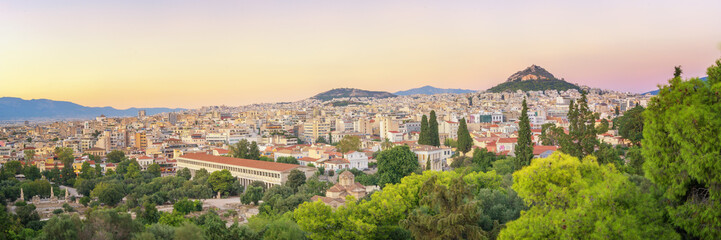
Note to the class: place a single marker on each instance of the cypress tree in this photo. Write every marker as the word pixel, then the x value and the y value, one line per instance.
pixel 524 148
pixel 464 137
pixel 433 127
pixel 423 136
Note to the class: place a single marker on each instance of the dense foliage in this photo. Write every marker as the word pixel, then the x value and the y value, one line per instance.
pixel 534 85
pixel 572 199
pixel 682 148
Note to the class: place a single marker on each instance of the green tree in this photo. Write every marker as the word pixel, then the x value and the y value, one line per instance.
pixel 150 214
pixel 677 71
pixel 449 142
pixel 189 231
pixel 201 174
pixel 573 199
pixel 524 147
pixel 186 206
pixel 630 125
pixel 296 178
pixel 161 231
pixel 244 149
pixel 681 136
pixel 116 156
pixel 423 137
pixel 98 170
pixel 465 142
pixel 283 228
pixel 154 170
pixel 433 130
pixel 445 212
pixel 108 193
pixel 65 155
pixel 221 181
pixel 184 173
pixel 551 135
pixel 321 139
pixel 395 164
pixel 239 149
pixel 87 171
pixel 40 187
pixel 483 159
pixel 31 172
pixel 288 159
pixel 27 214
pixel 252 194
pixel 349 143
pixel 62 227
pixel 109 224
pixel 133 171
pixel 634 161
pixel 253 151
pixel 29 155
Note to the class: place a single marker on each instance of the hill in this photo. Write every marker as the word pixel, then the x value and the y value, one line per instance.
pixel 533 78
pixel 12 108
pixel 655 92
pixel 429 90
pixel 351 93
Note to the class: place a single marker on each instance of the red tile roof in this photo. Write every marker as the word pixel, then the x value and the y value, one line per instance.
pixel 272 166
pixel 507 140
pixel 540 149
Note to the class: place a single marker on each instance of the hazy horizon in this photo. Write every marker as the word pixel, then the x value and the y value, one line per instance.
pixel 190 54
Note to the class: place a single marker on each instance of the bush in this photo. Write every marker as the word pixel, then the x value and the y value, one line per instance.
pixel 68 208
pixel 85 200
pixel 57 211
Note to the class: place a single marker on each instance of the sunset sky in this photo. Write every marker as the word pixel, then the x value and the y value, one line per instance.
pixel 199 53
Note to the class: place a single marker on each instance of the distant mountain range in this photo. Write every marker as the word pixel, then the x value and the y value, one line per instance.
pixel 429 90
pixel 12 108
pixel 533 78
pixel 350 93
pixel 655 92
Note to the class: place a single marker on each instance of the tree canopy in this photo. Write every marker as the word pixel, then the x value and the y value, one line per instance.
pixel 396 163
pixel 681 146
pixel 572 199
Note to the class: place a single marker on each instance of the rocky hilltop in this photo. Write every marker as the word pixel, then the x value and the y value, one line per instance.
pixel 531 73
pixel 533 78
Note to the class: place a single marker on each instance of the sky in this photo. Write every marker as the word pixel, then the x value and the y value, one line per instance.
pixel 200 53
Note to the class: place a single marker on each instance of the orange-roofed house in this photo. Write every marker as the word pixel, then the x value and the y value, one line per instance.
pixel 346 186
pixel 506 144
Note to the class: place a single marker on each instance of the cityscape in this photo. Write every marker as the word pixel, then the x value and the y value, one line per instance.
pixel 249 126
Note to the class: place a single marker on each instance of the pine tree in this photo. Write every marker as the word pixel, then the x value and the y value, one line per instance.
pixel 423 136
pixel 581 138
pixel 433 126
pixel 524 148
pixel 465 142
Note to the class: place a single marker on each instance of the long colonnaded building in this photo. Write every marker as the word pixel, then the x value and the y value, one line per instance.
pixel 246 170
